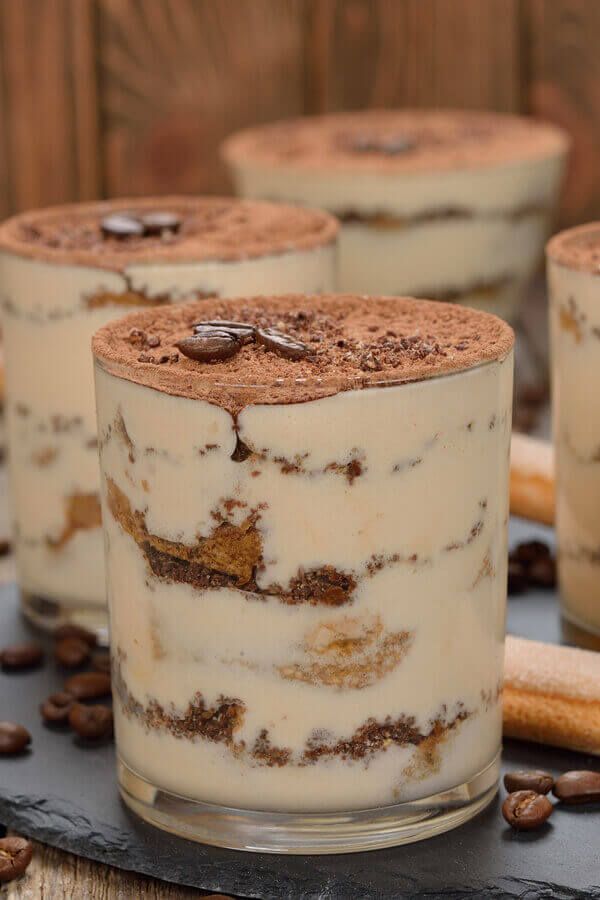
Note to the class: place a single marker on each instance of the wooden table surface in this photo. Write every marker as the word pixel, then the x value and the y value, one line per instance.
pixel 54 875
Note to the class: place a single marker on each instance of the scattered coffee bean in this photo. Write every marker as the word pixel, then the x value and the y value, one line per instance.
pixel 91 722
pixel 244 332
pixel 526 810
pixel 530 564
pixel 575 787
pixel 55 710
pixel 88 685
pixel 157 223
pixel 77 631
pixel 281 343
pixel 209 346
pixel 5 547
pixel 534 780
pixel 72 652
pixel 13 738
pixel 21 656
pixel 15 856
pixel 121 226
pixel 101 662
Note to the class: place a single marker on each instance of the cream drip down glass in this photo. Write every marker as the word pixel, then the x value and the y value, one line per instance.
pixel 449 205
pixel 574 283
pixel 306 561
pixel 66 271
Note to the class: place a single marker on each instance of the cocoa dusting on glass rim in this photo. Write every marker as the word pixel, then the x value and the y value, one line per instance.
pixel 295 348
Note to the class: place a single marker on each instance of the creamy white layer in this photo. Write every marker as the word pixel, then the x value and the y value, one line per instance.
pixel 498 239
pixel 575 330
pixel 422 530
pixel 48 324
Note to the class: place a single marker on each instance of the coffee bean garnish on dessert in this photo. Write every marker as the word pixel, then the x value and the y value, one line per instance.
pixel 88 685
pixel 578 787
pixel 91 722
pixel 534 780
pixel 217 340
pixel 526 810
pixel 15 856
pixel 55 710
pixel 21 656
pixel 128 225
pixel 13 738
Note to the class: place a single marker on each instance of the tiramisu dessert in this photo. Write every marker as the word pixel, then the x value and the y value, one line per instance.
pixel 66 271
pixel 574 282
pixel 443 205
pixel 305 515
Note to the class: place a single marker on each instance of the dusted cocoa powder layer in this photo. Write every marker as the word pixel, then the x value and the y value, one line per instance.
pixel 218 723
pixel 577 248
pixel 354 342
pixel 212 228
pixel 396 141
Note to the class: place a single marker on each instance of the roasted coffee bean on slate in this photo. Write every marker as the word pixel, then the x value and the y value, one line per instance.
pixel 578 786
pixel 121 226
pixel 13 738
pixel 55 709
pixel 281 344
pixel 72 652
pixel 88 685
pixel 159 222
pixel 91 722
pixel 528 780
pixel 15 856
pixel 70 630
pixel 209 346
pixel 101 662
pixel 21 656
pixel 542 572
pixel 530 551
pixel 526 810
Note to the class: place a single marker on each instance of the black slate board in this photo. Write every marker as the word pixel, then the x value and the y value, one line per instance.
pixel 66 796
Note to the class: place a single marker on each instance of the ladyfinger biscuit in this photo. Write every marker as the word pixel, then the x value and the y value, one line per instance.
pixel 532 479
pixel 552 695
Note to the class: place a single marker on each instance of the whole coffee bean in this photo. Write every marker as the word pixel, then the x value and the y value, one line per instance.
pixel 282 344
pixel 71 630
pixel 159 222
pixel 209 346
pixel 526 810
pixel 121 226
pixel 71 652
pixel 13 738
pixel 101 662
pixel 91 722
pixel 533 780
pixel 21 656
pixel 542 572
pixel 530 551
pixel 88 685
pixel 579 786
pixel 55 710
pixel 15 856
pixel 242 330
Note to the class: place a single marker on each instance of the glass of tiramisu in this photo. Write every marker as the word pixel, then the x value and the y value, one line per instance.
pixel 449 205
pixel 305 516
pixel 574 283
pixel 64 272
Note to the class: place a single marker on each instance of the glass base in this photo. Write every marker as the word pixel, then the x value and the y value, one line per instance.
pixel 578 633
pixel 51 614
pixel 341 832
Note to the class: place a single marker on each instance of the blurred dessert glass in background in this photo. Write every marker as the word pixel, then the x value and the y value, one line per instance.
pixel 450 205
pixel 66 271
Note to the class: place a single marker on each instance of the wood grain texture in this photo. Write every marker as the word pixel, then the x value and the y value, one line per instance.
pixel 561 45
pixel 414 52
pixel 54 875
pixel 48 101
pixel 178 75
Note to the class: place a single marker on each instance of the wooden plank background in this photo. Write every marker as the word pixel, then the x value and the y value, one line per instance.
pixel 108 97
